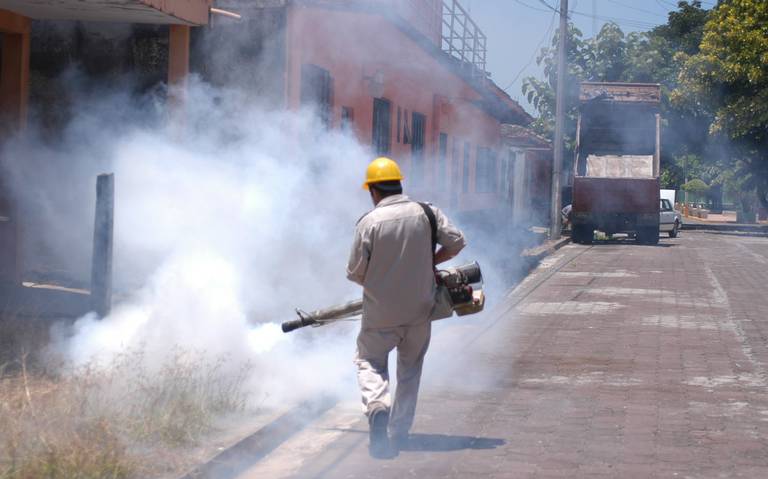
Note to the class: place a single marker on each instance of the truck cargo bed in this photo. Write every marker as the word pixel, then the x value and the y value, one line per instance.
pixel 615 195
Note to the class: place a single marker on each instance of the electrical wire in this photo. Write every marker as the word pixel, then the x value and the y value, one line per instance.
pixel 621 21
pixel 556 10
pixel 520 2
pixel 535 51
pixel 655 14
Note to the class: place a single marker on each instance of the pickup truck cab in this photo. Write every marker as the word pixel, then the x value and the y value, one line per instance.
pixel 670 219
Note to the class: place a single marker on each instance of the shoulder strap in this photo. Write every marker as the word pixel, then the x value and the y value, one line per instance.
pixel 432 223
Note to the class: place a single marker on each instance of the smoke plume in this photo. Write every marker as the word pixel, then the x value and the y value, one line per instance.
pixel 227 217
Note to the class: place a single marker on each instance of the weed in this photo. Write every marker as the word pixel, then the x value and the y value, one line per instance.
pixel 109 421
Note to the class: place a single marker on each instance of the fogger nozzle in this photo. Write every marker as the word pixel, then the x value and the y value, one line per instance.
pixel 462 284
pixel 322 316
pixel 289 326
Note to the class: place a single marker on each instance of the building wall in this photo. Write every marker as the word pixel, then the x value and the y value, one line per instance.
pixel 256 44
pixel 368 56
pixel 68 58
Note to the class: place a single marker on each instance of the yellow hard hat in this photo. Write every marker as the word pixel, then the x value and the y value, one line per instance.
pixel 382 169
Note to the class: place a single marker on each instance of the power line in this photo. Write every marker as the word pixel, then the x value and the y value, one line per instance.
pixel 666 4
pixel 616 2
pixel 535 51
pixel 549 6
pixel 621 21
pixel 520 2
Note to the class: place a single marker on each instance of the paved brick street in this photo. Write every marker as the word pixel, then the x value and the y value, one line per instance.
pixel 615 360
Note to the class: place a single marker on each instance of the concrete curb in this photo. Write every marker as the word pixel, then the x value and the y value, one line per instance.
pixel 549 247
pixel 725 227
pixel 531 257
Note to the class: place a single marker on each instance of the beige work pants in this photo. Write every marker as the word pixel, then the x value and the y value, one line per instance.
pixel 371 358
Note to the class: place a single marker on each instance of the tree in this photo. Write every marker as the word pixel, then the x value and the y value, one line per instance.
pixel 728 78
pixel 696 186
pixel 649 57
pixel 541 92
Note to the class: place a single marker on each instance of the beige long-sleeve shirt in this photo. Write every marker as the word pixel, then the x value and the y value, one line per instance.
pixel 392 259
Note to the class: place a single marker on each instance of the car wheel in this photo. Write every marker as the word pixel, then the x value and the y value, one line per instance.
pixel 673 232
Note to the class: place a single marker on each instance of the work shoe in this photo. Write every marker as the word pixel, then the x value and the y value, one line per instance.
pixel 378 420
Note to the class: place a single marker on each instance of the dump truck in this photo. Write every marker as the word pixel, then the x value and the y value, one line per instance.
pixel 616 164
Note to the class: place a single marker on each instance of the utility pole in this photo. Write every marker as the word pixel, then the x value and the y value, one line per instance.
pixel 557 166
pixel 594 18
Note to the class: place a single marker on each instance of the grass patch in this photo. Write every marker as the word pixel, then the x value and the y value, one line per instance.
pixel 120 420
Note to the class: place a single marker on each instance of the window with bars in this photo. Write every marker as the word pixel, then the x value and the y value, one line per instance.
pixel 347 117
pixel 485 170
pixel 382 119
pixel 442 163
pixel 317 91
pixel 418 125
pixel 465 170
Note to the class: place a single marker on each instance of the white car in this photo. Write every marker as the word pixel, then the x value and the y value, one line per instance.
pixel 669 218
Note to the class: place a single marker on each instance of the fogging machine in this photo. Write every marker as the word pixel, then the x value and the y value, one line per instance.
pixel 459 290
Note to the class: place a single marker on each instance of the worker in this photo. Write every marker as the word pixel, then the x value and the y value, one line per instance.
pixel 393 258
pixel 565 215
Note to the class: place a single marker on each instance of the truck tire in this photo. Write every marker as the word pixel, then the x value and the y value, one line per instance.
pixel 648 236
pixel 673 232
pixel 582 234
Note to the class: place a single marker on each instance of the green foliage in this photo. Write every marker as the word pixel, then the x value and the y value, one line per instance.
pixel 649 57
pixel 696 186
pixel 728 80
pixel 730 73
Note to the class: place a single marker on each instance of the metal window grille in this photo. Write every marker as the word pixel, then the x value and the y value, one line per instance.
pixel 485 170
pixel 347 117
pixel 465 171
pixel 442 166
pixel 317 91
pixel 462 38
pixel 419 122
pixel 382 114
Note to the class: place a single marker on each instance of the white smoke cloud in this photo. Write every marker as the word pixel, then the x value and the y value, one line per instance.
pixel 224 222
pixel 227 217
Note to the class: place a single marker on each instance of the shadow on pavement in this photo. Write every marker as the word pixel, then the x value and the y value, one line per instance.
pixel 444 443
pixel 632 243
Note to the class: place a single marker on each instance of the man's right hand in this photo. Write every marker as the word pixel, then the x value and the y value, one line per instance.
pixel 443 255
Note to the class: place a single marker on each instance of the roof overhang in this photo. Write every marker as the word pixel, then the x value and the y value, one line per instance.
pixel 179 12
pixel 519 136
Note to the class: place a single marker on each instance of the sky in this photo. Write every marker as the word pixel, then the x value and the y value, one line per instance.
pixel 517 29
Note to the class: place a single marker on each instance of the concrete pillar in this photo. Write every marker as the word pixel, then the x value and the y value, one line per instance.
pixel 178 71
pixel 178 54
pixel 14 71
pixel 14 93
